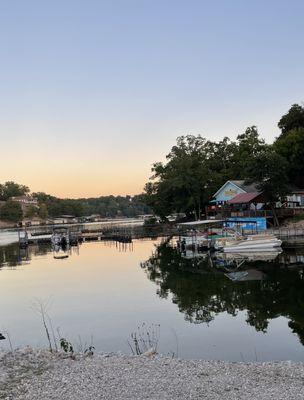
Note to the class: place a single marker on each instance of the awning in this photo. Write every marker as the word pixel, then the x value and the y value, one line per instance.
pixel 201 222
pixel 243 198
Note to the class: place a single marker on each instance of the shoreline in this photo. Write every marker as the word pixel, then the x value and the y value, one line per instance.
pixel 39 374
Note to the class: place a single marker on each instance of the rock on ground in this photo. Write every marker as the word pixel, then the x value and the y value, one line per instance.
pixel 40 375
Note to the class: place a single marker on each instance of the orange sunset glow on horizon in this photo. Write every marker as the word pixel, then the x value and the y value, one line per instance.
pixel 92 96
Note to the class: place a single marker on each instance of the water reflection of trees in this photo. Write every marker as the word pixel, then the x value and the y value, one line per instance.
pixel 12 255
pixel 201 292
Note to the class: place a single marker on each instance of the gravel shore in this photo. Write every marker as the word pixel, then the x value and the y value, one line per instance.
pixel 30 374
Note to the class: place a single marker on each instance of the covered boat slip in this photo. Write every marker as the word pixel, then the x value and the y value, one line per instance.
pixel 198 234
pixel 219 235
pixel 214 228
pixel 246 225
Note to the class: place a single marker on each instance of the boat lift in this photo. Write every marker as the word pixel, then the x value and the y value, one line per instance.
pixel 196 239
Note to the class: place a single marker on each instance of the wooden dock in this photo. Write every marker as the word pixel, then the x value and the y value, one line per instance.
pixel 81 234
pixel 286 233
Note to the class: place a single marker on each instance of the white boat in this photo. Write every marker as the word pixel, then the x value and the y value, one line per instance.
pixel 37 237
pixel 252 243
pixel 262 242
pixel 59 239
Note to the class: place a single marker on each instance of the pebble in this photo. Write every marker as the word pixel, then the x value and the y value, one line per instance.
pixel 35 375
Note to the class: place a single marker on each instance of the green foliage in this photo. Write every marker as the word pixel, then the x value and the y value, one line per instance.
pixel 145 339
pixel 150 221
pixel 105 206
pixel 293 119
pixel 12 189
pixel 89 351
pixel 269 170
pixel 66 346
pixel 247 149
pixel 11 211
pixel 196 168
pixel 43 211
pixel 185 182
pixel 31 212
pixel 201 294
pixel 291 146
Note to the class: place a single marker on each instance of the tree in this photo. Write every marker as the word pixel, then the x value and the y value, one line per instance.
pixel 269 170
pixel 43 212
pixel 181 184
pixel 248 147
pixel 11 211
pixel 31 212
pixel 196 168
pixel 293 119
pixel 291 146
pixel 12 189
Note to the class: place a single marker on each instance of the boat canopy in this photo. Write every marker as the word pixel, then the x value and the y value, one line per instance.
pixel 202 222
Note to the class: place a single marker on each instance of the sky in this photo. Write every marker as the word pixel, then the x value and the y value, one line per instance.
pixel 93 92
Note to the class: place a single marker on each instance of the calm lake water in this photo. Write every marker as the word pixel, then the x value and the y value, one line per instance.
pixel 204 309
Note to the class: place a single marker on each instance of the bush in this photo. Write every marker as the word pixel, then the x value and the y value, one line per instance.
pixel 150 221
pixel 11 211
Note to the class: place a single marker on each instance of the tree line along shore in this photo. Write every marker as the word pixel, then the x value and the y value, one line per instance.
pixel 186 182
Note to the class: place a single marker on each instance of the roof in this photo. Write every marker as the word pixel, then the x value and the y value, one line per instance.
pixel 201 222
pixel 241 185
pixel 24 197
pixel 248 188
pixel 243 198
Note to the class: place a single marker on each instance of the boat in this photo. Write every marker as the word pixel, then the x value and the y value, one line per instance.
pixel 200 234
pixel 61 256
pixel 60 237
pixel 251 243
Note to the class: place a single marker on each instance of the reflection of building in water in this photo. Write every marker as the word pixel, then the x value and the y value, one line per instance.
pixel 248 275
pixel 292 259
pixel 120 246
pixel 244 259
pixel 12 255
pixel 263 256
pixel 265 289
pixel 189 254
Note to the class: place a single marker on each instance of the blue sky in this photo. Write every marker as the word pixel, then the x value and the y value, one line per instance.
pixel 92 92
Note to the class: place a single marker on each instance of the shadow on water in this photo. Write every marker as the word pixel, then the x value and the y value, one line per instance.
pixel 204 286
